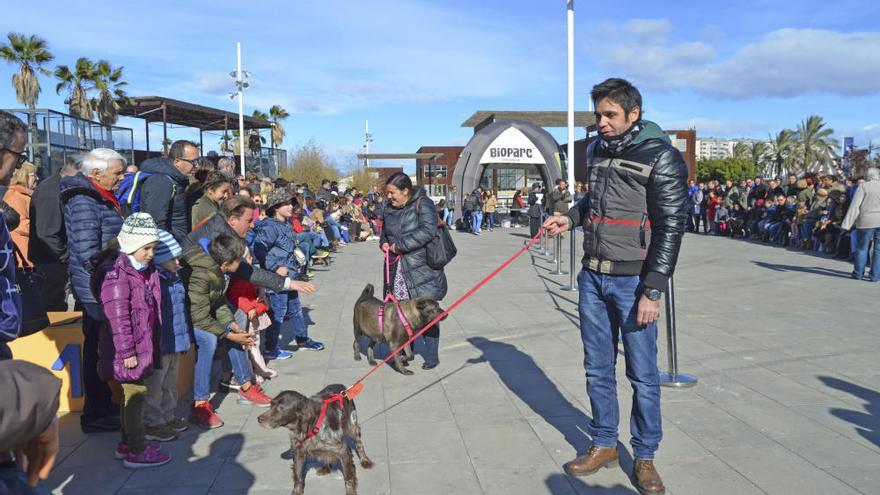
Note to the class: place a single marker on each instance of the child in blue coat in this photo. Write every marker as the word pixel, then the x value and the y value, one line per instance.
pixel 163 423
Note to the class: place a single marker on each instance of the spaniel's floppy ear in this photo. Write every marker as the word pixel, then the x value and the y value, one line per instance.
pixel 305 415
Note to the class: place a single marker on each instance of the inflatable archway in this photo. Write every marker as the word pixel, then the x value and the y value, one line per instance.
pixel 516 143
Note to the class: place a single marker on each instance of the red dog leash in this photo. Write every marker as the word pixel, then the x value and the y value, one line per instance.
pixel 353 391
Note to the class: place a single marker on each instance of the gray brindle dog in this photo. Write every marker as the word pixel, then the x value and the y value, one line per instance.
pixel 419 312
pixel 300 414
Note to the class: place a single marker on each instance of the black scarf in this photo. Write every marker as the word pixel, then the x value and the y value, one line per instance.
pixel 616 144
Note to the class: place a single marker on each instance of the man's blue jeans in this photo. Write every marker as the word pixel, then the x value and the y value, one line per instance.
pixel 863 243
pixel 206 345
pixel 477 220
pixel 608 306
pixel 285 306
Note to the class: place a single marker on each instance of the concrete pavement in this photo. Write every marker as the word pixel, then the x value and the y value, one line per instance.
pixel 784 344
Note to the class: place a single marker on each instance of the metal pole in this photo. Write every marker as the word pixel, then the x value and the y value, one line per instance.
pixel 559 270
pixel 241 136
pixel 572 283
pixel 164 130
pixel 570 152
pixel 555 253
pixel 673 378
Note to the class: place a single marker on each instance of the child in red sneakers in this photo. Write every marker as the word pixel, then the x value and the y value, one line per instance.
pixel 252 314
pixel 205 276
pixel 127 285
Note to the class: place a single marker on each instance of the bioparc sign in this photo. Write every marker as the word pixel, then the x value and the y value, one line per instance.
pixel 512 146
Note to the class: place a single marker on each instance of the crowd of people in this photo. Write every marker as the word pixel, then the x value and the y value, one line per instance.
pixel 836 216
pixel 165 255
pixel 478 210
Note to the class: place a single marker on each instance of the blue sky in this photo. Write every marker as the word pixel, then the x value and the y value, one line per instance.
pixel 417 69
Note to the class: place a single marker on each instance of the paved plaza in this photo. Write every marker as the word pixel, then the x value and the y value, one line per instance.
pixel 784 344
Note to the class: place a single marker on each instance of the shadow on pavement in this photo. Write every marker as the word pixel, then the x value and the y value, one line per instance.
pixel 522 376
pixel 867 423
pixel 417 392
pixel 815 270
pixel 560 484
pixel 183 467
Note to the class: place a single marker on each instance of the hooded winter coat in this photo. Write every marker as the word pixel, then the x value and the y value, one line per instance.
pixel 206 293
pixel 410 229
pixel 91 220
pixel 175 318
pixel 131 301
pixel 274 244
pixel 164 199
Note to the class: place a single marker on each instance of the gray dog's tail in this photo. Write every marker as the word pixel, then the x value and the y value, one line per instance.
pixel 368 291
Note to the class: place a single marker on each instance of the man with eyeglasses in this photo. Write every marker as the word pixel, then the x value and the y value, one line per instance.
pixel 163 193
pixel 13 137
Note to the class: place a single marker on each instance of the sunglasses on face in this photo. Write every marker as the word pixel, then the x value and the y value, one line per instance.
pixel 20 158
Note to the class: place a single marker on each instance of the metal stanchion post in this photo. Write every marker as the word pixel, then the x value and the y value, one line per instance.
pixel 555 251
pixel 558 260
pixel 544 251
pixel 673 378
pixel 572 284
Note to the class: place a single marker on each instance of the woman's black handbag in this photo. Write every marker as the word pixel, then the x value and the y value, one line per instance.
pixel 441 249
pixel 33 313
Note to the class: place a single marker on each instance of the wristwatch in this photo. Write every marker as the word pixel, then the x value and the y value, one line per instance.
pixel 653 294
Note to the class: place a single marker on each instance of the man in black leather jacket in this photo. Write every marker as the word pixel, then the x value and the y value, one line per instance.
pixel 633 219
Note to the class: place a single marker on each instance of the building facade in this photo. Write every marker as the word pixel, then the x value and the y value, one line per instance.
pixel 437 176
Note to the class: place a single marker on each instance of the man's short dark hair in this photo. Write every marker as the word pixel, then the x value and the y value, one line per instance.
pixel 226 249
pixel 619 91
pixel 10 127
pixel 178 149
pixel 235 206
pixel 325 182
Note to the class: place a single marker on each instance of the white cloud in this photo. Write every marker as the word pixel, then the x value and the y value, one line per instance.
pixel 784 63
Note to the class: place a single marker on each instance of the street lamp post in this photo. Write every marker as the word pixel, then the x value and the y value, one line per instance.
pixel 241 84
pixel 572 286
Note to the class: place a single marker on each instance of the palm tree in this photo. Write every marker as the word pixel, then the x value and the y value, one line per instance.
pixel 30 53
pixel 277 113
pixel 814 142
pixel 781 149
pixel 757 154
pixel 740 149
pixel 225 139
pixel 108 83
pixel 77 82
pixel 260 115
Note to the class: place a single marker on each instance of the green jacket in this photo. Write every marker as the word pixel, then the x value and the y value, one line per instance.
pixel 806 195
pixel 206 293
pixel 202 209
pixel 735 195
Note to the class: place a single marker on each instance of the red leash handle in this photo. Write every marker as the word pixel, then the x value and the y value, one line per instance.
pixel 352 391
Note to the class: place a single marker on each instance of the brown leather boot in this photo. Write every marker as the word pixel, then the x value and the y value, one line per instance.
pixel 647 478
pixel 592 461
